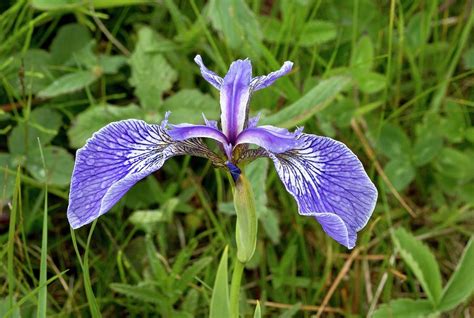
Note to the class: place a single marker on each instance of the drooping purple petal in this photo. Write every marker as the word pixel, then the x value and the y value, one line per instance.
pixel 263 81
pixel 211 77
pixel 112 161
pixel 235 94
pixel 328 182
pixel 186 131
pixel 274 139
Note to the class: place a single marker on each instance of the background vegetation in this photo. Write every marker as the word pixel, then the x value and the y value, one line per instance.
pixel 391 79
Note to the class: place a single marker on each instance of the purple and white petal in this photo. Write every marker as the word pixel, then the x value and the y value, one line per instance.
pixel 235 94
pixel 111 162
pixel 328 182
pixel 273 139
pixel 263 81
pixel 187 131
pixel 211 77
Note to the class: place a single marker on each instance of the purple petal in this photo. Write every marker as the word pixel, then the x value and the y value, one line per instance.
pixel 260 82
pixel 186 131
pixel 211 77
pixel 273 139
pixel 328 182
pixel 111 162
pixel 235 94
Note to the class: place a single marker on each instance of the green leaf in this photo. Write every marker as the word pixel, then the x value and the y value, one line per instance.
pixel 460 285
pixel 236 21
pixel 258 312
pixel 405 308
pixel 453 124
pixel 371 82
pixel 455 164
pixel 68 84
pixel 421 261
pixel 468 58
pixel 220 293
pixel 145 292
pixel 96 117
pixel 188 105
pixel 362 58
pixel 426 147
pixel 316 32
pixel 69 40
pixel 7 181
pixel 111 64
pixel 151 73
pixel 59 165
pixel 43 123
pixel 400 172
pixel 393 142
pixel 312 102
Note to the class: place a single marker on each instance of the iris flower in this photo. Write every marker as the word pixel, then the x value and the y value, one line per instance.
pixel 326 179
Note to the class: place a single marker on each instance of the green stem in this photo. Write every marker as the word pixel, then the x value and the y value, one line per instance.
pixel 235 288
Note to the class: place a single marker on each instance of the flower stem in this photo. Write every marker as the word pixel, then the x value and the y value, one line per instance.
pixel 235 288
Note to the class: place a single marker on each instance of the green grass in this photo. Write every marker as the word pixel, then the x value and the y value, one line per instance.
pixel 392 80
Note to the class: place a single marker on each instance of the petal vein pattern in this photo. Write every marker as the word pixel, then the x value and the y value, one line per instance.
pixel 113 160
pixel 328 182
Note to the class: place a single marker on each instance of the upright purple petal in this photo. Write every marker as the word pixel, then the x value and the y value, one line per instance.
pixel 328 182
pixel 111 162
pixel 273 139
pixel 186 131
pixel 211 77
pixel 263 81
pixel 235 94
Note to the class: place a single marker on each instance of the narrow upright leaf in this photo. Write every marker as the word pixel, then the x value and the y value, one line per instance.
pixel 258 312
pixel 405 308
pixel 220 293
pixel 421 261
pixel 461 283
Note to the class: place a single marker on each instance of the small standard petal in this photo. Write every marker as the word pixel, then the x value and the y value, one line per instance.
pixel 263 81
pixel 273 139
pixel 186 131
pixel 235 94
pixel 211 77
pixel 328 182
pixel 114 159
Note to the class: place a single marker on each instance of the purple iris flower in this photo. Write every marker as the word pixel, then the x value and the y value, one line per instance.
pixel 327 180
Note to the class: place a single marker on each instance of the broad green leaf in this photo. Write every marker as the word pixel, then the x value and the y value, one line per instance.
pixel 393 142
pixel 417 30
pixel 70 39
pixel 468 58
pixel 236 21
pixel 314 32
pixel 151 73
pixel 455 164
pixel 59 165
pixel 317 32
pixel 400 172
pixel 405 308
pixel 188 105
pixel 145 292
pixel 96 117
pixel 426 147
pixel 370 82
pixel 461 284
pixel 312 102
pixel 43 123
pixel 421 261
pixel 220 293
pixel 68 84
pixel 7 181
pixel 111 64
pixel 453 124
pixel 362 59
